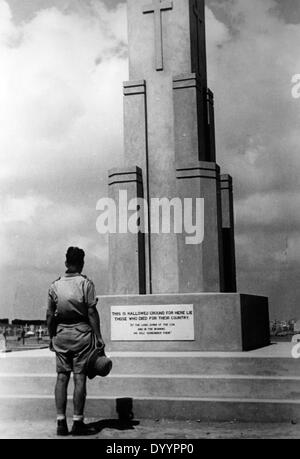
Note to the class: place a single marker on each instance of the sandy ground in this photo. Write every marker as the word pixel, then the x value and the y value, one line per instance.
pixel 159 429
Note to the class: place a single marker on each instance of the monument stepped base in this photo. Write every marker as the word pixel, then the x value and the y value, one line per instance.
pixel 258 386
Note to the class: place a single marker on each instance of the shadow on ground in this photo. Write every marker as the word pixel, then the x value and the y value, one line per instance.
pixel 115 424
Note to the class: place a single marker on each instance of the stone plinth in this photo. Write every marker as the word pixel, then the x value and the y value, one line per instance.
pixel 222 322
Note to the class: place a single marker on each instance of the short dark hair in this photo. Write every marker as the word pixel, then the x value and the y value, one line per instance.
pixel 75 256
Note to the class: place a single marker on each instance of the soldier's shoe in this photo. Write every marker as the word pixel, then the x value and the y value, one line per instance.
pixel 79 428
pixel 62 428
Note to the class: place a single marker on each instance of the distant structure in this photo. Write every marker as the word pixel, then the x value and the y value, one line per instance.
pixel 297 327
pixel 4 322
pixel 23 322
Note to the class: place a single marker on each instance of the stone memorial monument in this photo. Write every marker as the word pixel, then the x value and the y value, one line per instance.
pixel 173 322
pixel 166 294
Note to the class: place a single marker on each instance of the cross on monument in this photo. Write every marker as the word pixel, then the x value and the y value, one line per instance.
pixel 199 23
pixel 157 7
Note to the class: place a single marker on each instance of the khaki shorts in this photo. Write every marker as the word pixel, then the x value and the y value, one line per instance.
pixel 73 345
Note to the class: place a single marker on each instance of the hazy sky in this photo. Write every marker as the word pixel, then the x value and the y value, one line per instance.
pixel 62 66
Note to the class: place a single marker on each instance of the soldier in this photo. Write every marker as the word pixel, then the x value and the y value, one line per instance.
pixel 74 328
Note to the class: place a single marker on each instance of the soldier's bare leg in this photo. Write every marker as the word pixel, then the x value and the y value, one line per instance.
pixel 79 395
pixel 61 392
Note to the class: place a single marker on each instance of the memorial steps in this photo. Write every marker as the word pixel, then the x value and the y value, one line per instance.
pixel 261 385
pixel 164 386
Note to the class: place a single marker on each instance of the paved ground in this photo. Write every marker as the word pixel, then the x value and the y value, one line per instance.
pixel 276 350
pixel 159 429
pixel 12 344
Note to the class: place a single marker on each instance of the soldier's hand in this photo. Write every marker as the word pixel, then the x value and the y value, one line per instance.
pixel 51 346
pixel 100 343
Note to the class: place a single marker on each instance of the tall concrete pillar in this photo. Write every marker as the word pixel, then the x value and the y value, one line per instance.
pixel 126 250
pixel 190 118
pixel 149 143
pixel 135 123
pixel 166 126
pixel 194 119
pixel 229 261
pixel 162 180
pixel 136 149
pixel 200 268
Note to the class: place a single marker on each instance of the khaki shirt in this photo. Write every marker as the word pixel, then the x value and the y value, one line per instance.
pixel 70 297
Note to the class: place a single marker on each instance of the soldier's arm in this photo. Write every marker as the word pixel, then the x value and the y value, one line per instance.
pixel 50 317
pixel 94 320
pixel 93 314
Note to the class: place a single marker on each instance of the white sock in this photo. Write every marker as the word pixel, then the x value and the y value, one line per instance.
pixel 61 417
pixel 77 417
